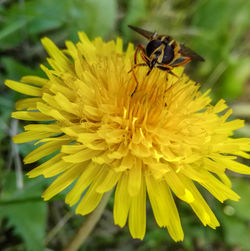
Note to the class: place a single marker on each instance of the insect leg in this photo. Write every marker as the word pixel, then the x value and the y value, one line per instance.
pixel 165 67
pixel 138 47
pixel 149 71
pixel 136 65
pixel 168 69
pixel 181 61
pixel 143 55
pixel 133 72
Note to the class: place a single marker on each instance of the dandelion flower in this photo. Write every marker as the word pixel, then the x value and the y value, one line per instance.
pixel 158 142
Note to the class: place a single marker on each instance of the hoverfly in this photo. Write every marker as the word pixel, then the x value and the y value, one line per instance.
pixel 163 52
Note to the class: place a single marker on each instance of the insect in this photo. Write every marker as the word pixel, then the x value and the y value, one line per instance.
pixel 162 52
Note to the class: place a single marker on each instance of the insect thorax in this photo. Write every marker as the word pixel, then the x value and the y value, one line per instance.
pixel 155 48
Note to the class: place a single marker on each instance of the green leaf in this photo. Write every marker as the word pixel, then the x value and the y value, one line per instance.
pixel 12 28
pixel 95 17
pixel 235 217
pixel 234 79
pixel 6 107
pixel 10 32
pixel 136 11
pixel 45 15
pixel 220 32
pixel 236 232
pixel 241 208
pixel 25 210
pixel 65 18
pixel 15 70
pixel 214 15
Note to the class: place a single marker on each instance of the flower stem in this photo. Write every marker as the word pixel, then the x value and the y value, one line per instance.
pixel 88 225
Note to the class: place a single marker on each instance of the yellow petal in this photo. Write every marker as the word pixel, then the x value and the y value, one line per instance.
pixel 81 156
pixel 55 114
pixel 35 116
pixel 45 150
pixel 174 227
pixel 156 192
pixel 89 201
pixel 63 181
pixel 92 112
pixel 88 174
pixel 119 45
pixel 30 136
pixel 199 205
pixel 219 190
pixel 137 212
pixel 177 187
pixel 223 177
pixel 233 165
pixel 41 169
pixel 108 181
pixel 56 169
pixel 220 106
pixel 61 60
pixel 71 149
pixel 119 153
pixel 24 88
pixel 35 80
pixel 164 207
pixel 230 126
pixel 43 128
pixel 122 201
pixel 134 178
pixel 127 163
pixel 158 170
pixel 27 103
pixel 51 170
pixel 66 104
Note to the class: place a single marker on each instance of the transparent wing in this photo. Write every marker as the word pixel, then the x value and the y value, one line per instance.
pixel 146 34
pixel 185 51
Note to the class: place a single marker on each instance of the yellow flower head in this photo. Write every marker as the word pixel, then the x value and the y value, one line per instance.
pixel 155 141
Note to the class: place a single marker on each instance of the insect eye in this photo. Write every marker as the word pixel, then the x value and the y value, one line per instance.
pixel 158 52
pixel 152 46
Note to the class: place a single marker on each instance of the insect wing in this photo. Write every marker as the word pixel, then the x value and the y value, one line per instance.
pixel 146 34
pixel 187 52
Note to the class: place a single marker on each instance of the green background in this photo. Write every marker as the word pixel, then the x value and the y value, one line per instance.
pixel 219 30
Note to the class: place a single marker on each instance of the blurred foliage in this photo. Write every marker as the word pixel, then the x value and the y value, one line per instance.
pixel 24 209
pixel 219 30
